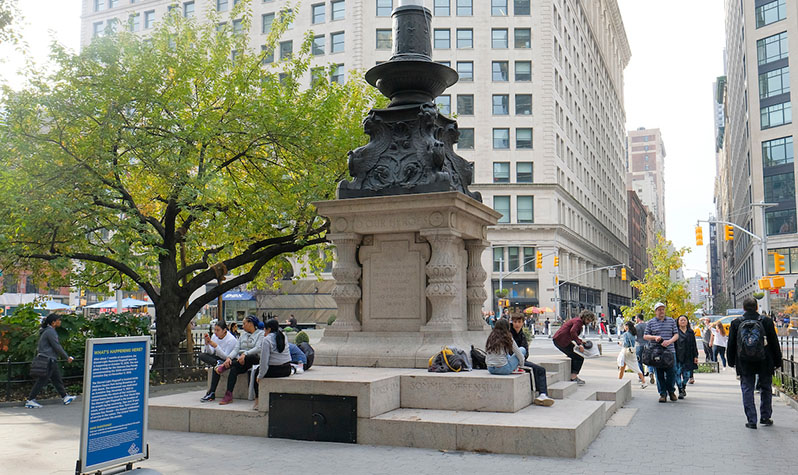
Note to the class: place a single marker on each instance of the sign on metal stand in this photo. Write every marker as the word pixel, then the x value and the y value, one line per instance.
pixel 115 398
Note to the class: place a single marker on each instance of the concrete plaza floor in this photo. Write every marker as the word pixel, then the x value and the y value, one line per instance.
pixel 702 434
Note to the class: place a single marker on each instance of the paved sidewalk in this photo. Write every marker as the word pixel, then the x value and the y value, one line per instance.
pixel 703 434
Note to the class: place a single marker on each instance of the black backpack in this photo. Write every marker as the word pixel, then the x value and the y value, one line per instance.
pixel 751 341
pixel 309 353
pixel 478 358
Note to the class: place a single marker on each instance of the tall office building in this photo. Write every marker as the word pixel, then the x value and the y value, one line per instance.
pixel 646 171
pixel 756 161
pixel 540 110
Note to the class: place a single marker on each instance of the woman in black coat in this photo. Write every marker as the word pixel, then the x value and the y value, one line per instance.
pixel 686 354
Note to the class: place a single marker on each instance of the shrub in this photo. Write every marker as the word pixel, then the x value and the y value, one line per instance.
pixel 289 330
pixel 330 320
pixel 301 337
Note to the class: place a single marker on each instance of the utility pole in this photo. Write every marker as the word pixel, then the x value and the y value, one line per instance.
pixel 764 242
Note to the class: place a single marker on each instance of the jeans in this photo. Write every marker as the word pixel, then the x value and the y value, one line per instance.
pixel 666 380
pixel 538 374
pixel 747 383
pixel 512 363
pixel 576 360
pixel 682 376
pixel 54 375
pixel 638 352
pixel 209 359
pixel 708 356
pixel 719 350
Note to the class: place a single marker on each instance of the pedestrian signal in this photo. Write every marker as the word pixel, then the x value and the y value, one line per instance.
pixel 729 232
pixel 699 236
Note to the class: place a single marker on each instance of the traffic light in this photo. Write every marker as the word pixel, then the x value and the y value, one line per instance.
pixel 729 232
pixel 778 282
pixel 764 283
pixel 556 261
pixel 699 236
pixel 778 263
pixel 623 273
pixel 539 260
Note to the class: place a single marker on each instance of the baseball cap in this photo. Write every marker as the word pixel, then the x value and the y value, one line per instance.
pixel 658 305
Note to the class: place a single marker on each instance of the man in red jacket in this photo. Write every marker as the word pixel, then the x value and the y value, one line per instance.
pixel 567 338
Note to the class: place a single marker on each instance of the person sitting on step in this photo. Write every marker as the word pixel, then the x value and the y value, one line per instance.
pixel 275 357
pixel 245 355
pixel 538 372
pixel 217 348
pixel 298 359
pixel 503 355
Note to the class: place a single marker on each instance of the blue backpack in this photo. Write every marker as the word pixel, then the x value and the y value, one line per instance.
pixel 751 341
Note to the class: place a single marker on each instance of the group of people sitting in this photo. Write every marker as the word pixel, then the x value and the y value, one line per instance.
pixel 261 343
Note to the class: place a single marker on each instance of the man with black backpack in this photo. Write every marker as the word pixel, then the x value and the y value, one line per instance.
pixel 754 350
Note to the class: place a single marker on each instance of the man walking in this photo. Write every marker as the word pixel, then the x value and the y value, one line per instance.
pixel 753 349
pixel 640 328
pixel 663 330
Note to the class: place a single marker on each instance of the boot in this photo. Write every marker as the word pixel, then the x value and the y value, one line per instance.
pixel 227 399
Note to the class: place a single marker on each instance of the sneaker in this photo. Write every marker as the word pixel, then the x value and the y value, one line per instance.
pixel 220 369
pixel 691 381
pixel 518 371
pixel 543 400
pixel 208 397
pixel 673 396
pixel 651 380
pixel 32 404
pixel 766 422
pixel 68 400
pixel 578 381
pixel 750 425
pixel 300 368
pixel 643 385
pixel 662 398
pixel 227 399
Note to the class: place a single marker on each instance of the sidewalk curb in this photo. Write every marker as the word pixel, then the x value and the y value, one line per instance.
pixel 790 401
pixel 177 387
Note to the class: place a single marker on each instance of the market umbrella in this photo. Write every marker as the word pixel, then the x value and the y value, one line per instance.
pixel 548 309
pixel 52 305
pixel 529 310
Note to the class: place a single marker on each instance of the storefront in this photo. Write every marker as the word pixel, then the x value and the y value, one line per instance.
pixel 522 294
pixel 575 298
pixel 237 304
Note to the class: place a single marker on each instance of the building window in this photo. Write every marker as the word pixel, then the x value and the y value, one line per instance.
pixel 465 104
pixel 501 104
pixel 501 139
pixel 99 5
pixel 337 42
pixel 500 71
pixel 266 22
pixel 777 151
pixel 523 104
pixel 96 29
pixel 338 10
pixel 780 187
pixel 444 104
pixel 442 38
pixel 525 211
pixel 498 259
pixel 498 38
pixel 113 25
pixel 512 259
pixel 267 55
pixel 318 12
pixel 238 27
pixel 523 138
pixel 770 12
pixel 498 7
pixel 448 64
pixel 502 205
pixel 317 77
pixel 465 69
pixel 284 15
pixel 523 38
pixel 286 50
pixel 113 3
pixel 521 7
pixel 465 38
pixel 529 259
pixel 337 74
pixel 466 139
pixel 384 39
pixel 773 83
pixel 465 7
pixel 442 8
pixel 222 5
pixel 523 71
pixel 780 222
pixel 188 10
pixel 384 7
pixel 134 22
pixel 523 172
pixel 149 19
pixel 775 115
pixel 501 172
pixel 318 45
pixel 772 48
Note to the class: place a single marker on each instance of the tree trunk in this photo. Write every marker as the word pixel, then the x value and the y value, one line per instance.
pixel 169 333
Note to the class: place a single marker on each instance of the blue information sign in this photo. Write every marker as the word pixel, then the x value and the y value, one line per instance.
pixel 115 392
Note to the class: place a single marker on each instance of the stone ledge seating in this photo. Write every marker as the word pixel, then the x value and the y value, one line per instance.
pixel 473 411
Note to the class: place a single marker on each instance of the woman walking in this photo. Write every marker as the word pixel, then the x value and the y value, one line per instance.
pixel 718 342
pixel 567 338
pixel 51 348
pixel 686 355
pixel 629 356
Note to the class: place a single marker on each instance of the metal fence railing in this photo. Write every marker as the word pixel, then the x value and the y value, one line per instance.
pixel 15 380
pixel 787 376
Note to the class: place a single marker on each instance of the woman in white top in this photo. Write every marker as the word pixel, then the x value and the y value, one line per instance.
pixel 719 341
pixel 217 348
pixel 503 355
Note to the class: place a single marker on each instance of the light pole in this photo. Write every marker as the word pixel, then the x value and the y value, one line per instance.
pixel 764 243
pixel 560 284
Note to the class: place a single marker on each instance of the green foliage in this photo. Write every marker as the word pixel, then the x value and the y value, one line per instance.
pixel 758 295
pixel 289 330
pixel 657 285
pixel 528 333
pixel 301 337
pixel 330 320
pixel 502 293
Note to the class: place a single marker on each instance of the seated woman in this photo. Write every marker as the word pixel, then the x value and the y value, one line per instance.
pixel 245 355
pixel 219 346
pixel 298 359
pixel 275 357
pixel 503 355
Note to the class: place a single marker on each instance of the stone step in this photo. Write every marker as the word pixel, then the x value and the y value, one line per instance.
pixel 560 366
pixel 185 413
pixel 613 392
pixel 562 389
pixel 552 377
pixel 466 391
pixel 565 429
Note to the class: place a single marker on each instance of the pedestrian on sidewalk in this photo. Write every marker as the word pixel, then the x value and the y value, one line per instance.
pixel 755 352
pixel 640 329
pixel 49 347
pixel 663 330
pixel 567 338
pixel 686 355
pixel 629 357
pixel 706 336
pixel 718 342
pixel 538 372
